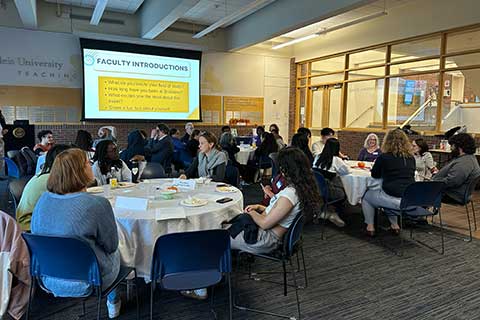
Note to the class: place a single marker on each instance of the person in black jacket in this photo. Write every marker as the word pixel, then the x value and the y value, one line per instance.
pixel 227 142
pixel 396 166
pixel 160 146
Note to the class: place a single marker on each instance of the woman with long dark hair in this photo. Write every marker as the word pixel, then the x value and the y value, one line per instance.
pixel 424 163
pixel 300 140
pixel 331 166
pixel 108 164
pixel 299 197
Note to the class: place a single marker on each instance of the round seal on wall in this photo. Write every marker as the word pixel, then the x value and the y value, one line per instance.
pixel 18 133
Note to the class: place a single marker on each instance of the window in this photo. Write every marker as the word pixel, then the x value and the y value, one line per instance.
pixel 461 99
pixel 417 66
pixel 365 104
pixel 328 65
pixel 366 73
pixel 415 49
pixel 465 40
pixel 367 58
pixel 462 60
pixel 413 95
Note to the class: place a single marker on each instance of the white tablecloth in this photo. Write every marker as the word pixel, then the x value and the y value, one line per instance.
pixel 245 154
pixel 357 183
pixel 138 230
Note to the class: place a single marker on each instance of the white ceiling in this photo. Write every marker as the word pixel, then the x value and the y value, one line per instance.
pixel 372 8
pixel 125 6
pixel 206 12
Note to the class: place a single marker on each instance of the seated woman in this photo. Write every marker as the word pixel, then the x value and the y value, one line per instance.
pixel 108 164
pixel 396 167
pixel 35 187
pixel 276 133
pixel 261 155
pixel 331 166
pixel 371 148
pixel 67 210
pixel 210 162
pixel 228 144
pixel 300 140
pixel 300 196
pixel 84 141
pixel 425 166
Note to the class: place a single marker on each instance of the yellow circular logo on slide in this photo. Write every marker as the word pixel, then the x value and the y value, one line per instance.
pixel 18 133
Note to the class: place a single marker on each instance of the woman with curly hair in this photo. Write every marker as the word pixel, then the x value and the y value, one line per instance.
pixel 300 196
pixel 108 164
pixel 396 166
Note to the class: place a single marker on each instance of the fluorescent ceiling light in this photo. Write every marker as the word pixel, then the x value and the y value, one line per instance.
pixel 98 12
pixel 234 17
pixel 338 27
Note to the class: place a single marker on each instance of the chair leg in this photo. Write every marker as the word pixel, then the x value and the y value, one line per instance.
pixel 99 302
pixel 474 216
pixel 284 278
pixel 230 302
pixel 212 301
pixel 83 308
pixel 324 222
pixel 136 293
pixel 30 297
pixel 296 289
pixel 441 230
pixel 400 233
pixel 304 268
pixel 469 224
pixel 152 292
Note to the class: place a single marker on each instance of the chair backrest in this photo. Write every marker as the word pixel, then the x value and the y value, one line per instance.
pixel 12 168
pixel 15 188
pixel 153 170
pixel 40 163
pixel 274 157
pixel 470 188
pixel 232 175
pixel 322 184
pixel 20 161
pixel 293 235
pixel 207 250
pixel 264 162
pixel 423 194
pixel 185 157
pixel 62 257
pixel 31 159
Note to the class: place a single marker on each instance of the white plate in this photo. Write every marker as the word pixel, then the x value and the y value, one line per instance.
pixel 95 189
pixel 226 189
pixel 201 202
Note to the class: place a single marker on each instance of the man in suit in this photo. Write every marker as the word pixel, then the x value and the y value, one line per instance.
pixel 160 146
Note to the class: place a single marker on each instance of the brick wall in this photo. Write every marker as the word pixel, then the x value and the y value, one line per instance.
pixel 66 133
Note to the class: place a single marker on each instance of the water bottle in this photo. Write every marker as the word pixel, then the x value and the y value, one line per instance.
pixel 113 179
pixel 135 171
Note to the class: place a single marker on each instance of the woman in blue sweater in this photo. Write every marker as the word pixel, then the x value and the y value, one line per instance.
pixel 67 210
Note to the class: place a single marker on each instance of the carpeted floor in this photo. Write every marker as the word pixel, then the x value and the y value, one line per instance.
pixel 349 277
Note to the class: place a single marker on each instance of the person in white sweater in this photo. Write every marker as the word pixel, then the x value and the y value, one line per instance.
pixel 332 166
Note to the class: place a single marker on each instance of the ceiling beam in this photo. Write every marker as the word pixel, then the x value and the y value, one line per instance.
pixel 283 16
pixel 156 16
pixel 234 17
pixel 27 9
pixel 98 12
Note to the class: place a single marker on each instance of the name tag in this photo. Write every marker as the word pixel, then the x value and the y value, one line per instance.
pixel 279 184
pixel 131 203
pixel 188 184
pixel 375 153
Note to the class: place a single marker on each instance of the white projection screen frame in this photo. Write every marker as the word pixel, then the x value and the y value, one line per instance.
pixel 131 82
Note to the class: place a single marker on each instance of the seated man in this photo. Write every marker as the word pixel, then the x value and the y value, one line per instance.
pixel 326 134
pixel 160 146
pixel 461 170
pixel 46 142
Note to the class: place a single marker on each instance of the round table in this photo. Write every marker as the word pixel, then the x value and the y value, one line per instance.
pixel 357 182
pixel 139 229
pixel 245 154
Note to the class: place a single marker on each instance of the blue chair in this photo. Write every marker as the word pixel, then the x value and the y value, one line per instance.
pixel 467 199
pixel 191 260
pixel 323 186
pixel 68 258
pixel 420 199
pixel 40 162
pixel 292 244
pixel 12 168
